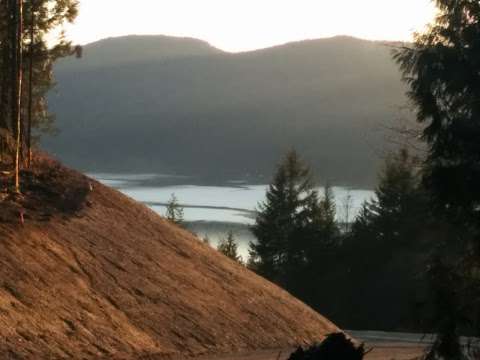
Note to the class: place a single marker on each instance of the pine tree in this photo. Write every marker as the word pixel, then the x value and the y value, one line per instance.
pixel 287 224
pixel 317 229
pixel 319 236
pixel 228 247
pixel 400 208
pixel 442 70
pixel 27 35
pixel 41 18
pixel 174 212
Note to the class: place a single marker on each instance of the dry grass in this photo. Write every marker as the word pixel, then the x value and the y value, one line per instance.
pixel 93 274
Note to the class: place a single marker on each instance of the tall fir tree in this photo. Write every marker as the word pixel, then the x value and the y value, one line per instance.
pixel 319 229
pixel 174 211
pixel 228 247
pixel 442 70
pixel 276 222
pixel 399 209
pixel 387 244
pixel 290 225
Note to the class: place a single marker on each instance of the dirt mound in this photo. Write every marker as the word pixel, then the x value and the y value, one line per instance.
pixel 94 274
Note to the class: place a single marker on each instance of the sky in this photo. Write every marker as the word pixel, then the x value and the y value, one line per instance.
pixel 242 25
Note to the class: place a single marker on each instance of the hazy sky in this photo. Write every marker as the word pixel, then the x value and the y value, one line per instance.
pixel 239 25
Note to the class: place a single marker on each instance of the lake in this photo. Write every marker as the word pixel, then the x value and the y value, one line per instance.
pixel 212 211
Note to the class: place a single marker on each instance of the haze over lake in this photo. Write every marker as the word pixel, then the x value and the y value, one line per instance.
pixel 212 210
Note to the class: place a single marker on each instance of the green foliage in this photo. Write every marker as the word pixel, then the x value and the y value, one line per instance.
pixel 229 247
pixel 442 71
pixel 394 221
pixel 400 209
pixel 174 212
pixel 40 50
pixel 293 227
pixel 375 272
pixel 275 224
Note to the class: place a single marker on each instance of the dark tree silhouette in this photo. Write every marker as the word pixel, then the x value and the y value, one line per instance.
pixel 336 346
pixel 442 69
pixel 228 247
pixel 174 211
pixel 292 226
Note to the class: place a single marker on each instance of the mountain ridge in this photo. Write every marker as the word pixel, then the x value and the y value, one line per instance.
pixel 116 49
pixel 232 115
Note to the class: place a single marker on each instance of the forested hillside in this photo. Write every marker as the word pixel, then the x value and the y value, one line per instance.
pixel 178 105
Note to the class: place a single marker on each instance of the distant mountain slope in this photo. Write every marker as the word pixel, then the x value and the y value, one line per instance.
pixel 135 49
pixel 94 275
pixel 227 115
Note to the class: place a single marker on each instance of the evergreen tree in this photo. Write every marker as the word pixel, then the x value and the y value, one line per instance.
pixel 347 207
pixel 277 219
pixel 386 242
pixel 319 237
pixel 291 225
pixel 174 212
pixel 320 230
pixel 229 247
pixel 39 18
pixel 391 223
pixel 327 221
pixel 399 210
pixel 442 69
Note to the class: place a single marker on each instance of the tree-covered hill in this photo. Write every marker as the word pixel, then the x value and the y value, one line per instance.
pixel 178 105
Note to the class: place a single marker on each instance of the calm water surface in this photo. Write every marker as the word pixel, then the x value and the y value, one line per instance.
pixel 212 210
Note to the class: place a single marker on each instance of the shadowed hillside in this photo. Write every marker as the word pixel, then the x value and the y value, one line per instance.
pixel 110 279
pixel 158 104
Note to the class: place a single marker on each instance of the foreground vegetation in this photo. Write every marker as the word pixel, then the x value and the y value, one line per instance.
pixel 27 54
pixel 381 255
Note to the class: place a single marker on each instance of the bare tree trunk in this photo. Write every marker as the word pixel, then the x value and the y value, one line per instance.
pixel 18 85
pixel 30 88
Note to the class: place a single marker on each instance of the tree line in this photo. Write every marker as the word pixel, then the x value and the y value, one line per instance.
pixel 28 51
pixel 303 245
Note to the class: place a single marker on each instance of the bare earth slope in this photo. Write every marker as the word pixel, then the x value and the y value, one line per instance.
pixel 96 274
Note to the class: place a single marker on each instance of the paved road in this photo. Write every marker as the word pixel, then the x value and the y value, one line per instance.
pixel 380 352
pixel 385 346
